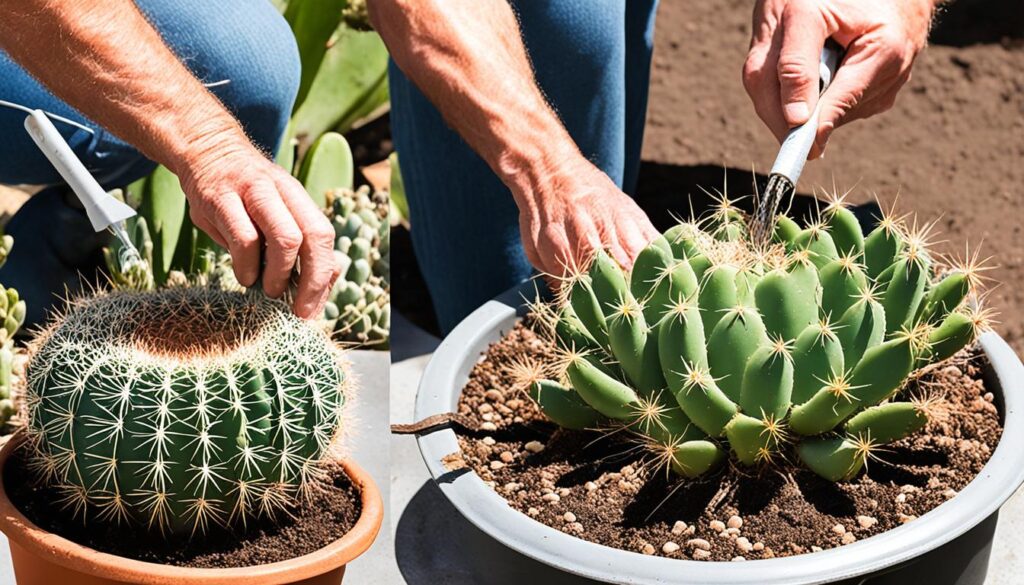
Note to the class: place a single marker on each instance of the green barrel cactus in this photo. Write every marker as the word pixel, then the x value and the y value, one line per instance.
pixel 712 345
pixel 359 307
pixel 182 408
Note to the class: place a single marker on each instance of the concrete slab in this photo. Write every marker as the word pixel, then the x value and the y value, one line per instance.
pixel 368 445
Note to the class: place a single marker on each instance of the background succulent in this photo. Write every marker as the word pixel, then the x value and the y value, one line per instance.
pixel 359 306
pixel 182 408
pixel 12 316
pixel 711 344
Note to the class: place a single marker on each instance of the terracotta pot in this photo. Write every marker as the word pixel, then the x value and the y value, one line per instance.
pixel 44 558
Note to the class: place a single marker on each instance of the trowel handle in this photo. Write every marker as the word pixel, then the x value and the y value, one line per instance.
pixel 103 210
pixel 797 145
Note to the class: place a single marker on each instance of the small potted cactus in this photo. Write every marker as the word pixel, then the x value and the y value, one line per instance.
pixel 718 363
pixel 183 414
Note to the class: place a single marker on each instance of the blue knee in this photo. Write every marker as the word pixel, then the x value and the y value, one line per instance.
pixel 246 43
pixel 245 48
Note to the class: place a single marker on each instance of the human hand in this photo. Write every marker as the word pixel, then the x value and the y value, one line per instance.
pixel 577 213
pixel 881 37
pixel 246 203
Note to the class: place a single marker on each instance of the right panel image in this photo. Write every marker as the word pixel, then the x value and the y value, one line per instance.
pixel 704 293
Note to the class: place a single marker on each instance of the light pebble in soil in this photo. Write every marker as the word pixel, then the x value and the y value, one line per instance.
pixel 679 527
pixel 534 446
pixel 717 525
pixel 866 521
pixel 734 522
pixel 839 529
pixel 669 547
pixel 569 517
pixel 743 544
pixel 698 543
pixel 849 538
pixel 701 554
pixel 647 549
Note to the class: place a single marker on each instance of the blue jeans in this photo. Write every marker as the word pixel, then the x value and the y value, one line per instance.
pixel 244 41
pixel 592 60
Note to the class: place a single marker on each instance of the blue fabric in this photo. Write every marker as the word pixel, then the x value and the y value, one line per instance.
pixel 245 41
pixel 592 60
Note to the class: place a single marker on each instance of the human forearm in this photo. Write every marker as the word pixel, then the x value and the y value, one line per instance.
pixel 468 58
pixel 103 58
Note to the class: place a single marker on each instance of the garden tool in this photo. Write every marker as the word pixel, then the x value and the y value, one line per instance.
pixel 104 211
pixel 793 153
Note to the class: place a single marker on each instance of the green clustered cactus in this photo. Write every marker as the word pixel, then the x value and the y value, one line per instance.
pixel 12 316
pixel 359 306
pixel 182 408
pixel 713 345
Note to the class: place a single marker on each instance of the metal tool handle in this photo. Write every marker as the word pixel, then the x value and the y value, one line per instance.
pixel 797 145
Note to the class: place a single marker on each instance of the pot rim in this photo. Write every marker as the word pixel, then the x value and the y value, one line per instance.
pixel 446 375
pixel 61 551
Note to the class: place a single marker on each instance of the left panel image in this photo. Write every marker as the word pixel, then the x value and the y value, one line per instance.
pixel 194 293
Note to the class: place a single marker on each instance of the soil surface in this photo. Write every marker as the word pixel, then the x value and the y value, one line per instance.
pixel 601 487
pixel 327 516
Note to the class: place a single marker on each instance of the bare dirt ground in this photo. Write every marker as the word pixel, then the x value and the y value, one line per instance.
pixel 953 146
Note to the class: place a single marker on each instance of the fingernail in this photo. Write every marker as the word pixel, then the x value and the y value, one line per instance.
pixel 797 112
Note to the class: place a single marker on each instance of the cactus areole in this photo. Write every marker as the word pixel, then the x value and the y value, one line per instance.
pixel 800 348
pixel 182 409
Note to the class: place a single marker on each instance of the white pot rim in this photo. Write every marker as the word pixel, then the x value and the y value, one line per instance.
pixel 448 371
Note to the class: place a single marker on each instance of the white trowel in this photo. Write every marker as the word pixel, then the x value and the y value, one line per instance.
pixel 104 211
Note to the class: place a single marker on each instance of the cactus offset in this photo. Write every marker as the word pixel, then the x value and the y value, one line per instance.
pixel 359 307
pixel 182 408
pixel 717 345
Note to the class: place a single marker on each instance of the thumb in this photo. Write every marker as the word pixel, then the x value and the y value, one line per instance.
pixel 803 35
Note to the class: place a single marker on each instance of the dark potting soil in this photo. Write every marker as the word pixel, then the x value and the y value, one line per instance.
pixel 602 488
pixel 330 513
